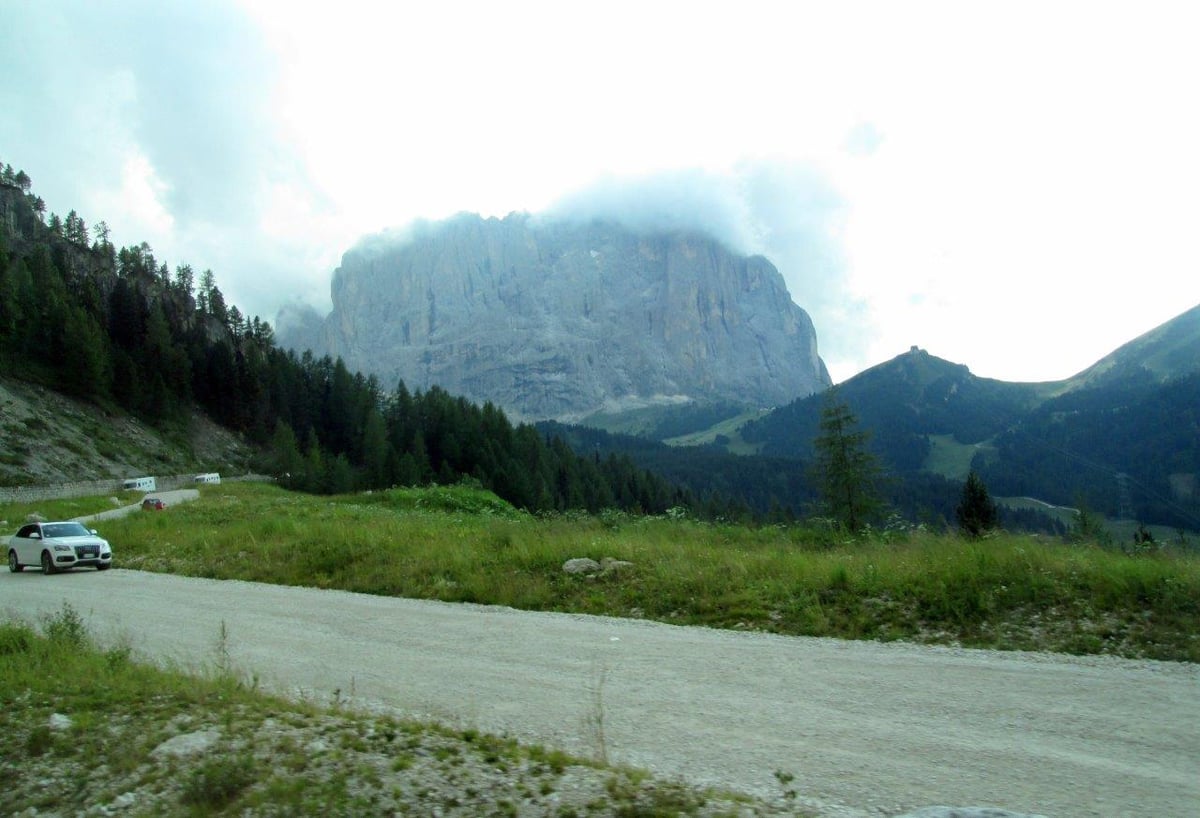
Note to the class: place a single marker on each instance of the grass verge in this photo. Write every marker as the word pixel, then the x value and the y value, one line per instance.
pixel 64 509
pixel 460 544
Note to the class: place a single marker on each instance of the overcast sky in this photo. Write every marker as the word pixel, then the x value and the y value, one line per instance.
pixel 1013 186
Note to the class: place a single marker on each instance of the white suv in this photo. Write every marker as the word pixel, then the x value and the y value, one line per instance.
pixel 56 547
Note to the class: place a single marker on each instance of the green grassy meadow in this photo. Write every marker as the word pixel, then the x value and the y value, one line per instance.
pixel 64 509
pixel 952 459
pixel 461 544
pixel 730 428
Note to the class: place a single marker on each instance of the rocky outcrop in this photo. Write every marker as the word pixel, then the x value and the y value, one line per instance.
pixel 559 320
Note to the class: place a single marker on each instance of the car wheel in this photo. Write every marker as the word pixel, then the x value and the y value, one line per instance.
pixel 104 566
pixel 47 563
pixel 13 565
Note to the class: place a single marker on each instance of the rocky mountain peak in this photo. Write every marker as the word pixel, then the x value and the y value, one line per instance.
pixel 561 319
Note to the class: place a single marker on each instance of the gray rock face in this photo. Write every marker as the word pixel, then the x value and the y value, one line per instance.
pixel 558 320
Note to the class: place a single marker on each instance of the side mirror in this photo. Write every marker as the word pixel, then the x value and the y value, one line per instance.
pixel 36 535
pixel 94 531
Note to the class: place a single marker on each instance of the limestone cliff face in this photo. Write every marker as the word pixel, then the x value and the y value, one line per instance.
pixel 558 320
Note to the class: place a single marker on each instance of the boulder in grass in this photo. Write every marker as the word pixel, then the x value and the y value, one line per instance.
pixel 581 565
pixel 589 567
pixel 608 565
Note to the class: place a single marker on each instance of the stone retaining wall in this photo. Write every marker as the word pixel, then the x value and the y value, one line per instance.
pixel 91 488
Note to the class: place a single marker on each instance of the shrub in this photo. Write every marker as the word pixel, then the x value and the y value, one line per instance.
pixel 218 781
pixel 977 513
pixel 67 628
pixel 14 639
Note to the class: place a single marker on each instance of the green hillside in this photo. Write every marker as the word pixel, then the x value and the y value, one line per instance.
pixel 1124 436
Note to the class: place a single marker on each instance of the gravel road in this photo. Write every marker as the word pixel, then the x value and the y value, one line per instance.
pixel 865 728
pixel 171 498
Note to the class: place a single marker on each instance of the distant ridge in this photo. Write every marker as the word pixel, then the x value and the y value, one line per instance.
pixel 1165 352
pixel 1123 435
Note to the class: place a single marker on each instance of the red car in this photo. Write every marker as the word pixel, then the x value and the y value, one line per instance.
pixel 153 504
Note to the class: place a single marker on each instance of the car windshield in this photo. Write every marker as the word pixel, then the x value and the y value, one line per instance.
pixel 65 530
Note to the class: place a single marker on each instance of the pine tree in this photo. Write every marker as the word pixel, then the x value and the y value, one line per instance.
pixel 75 230
pixel 102 234
pixel 375 449
pixel 846 472
pixel 286 458
pixel 210 300
pixel 185 278
pixel 976 512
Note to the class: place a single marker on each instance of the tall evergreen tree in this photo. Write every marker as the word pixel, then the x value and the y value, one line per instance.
pixel 102 234
pixel 977 513
pixel 375 450
pixel 846 472
pixel 286 458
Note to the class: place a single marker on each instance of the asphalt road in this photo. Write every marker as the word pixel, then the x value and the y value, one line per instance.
pixel 865 728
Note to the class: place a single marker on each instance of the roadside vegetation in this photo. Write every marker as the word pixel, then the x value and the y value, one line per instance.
pixel 463 544
pixel 89 730
pixel 60 509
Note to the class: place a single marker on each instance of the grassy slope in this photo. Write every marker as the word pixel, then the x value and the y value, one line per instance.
pixel 64 509
pixel 952 459
pixel 730 428
pixel 459 544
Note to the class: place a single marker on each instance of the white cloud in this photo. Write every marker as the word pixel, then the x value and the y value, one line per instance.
pixel 139 199
pixel 1011 187
pixel 863 139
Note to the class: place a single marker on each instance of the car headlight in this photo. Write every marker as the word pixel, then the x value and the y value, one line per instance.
pixel 62 548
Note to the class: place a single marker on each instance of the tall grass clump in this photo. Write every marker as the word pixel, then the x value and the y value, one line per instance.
pixel 219 780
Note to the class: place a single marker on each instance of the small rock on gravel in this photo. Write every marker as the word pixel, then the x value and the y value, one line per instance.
pixel 188 743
